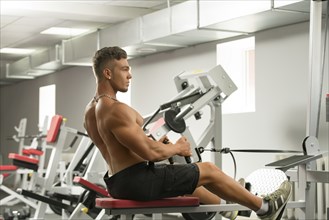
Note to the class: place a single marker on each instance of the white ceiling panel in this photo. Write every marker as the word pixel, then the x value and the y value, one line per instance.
pixel 7 19
pixel 36 21
pixel 10 38
pixel 21 28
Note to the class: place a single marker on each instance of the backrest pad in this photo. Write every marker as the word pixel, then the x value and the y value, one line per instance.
pixel 53 131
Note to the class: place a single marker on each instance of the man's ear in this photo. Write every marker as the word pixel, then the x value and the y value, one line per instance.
pixel 107 73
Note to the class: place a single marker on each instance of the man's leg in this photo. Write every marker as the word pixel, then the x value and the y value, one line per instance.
pixel 269 207
pixel 205 196
pixel 216 181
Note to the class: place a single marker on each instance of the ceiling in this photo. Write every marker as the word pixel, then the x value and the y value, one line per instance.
pixel 22 21
pixel 152 26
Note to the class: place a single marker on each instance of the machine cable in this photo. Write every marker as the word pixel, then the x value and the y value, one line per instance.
pixel 227 150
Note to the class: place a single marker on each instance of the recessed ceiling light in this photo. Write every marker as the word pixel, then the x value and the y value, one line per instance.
pixel 64 31
pixel 146 50
pixel 16 50
pixel 164 44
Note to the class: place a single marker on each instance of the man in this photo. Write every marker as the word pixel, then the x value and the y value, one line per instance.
pixel 116 129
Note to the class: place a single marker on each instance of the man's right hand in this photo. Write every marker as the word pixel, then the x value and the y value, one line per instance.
pixel 184 145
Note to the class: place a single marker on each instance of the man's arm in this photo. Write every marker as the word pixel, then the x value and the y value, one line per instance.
pixel 123 125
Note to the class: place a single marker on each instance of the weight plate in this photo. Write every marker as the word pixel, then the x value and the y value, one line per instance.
pixel 177 126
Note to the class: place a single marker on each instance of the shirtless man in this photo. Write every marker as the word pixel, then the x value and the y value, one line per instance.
pixel 116 129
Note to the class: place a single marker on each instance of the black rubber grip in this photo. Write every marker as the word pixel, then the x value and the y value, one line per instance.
pixel 188 160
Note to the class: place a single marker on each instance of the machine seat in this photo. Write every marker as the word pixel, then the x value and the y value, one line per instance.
pixel 32 152
pixel 110 203
pixel 24 161
pixel 8 168
pixel 90 186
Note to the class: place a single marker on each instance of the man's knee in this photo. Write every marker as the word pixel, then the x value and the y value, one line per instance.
pixel 209 173
pixel 207 169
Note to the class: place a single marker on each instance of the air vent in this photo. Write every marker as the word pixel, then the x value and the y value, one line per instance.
pixel 80 50
pixel 48 59
pixel 37 64
pixel 19 69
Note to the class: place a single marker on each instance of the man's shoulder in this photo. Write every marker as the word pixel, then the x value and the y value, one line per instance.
pixel 117 109
pixel 120 106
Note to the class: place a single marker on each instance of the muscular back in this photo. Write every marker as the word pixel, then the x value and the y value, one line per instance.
pixel 105 124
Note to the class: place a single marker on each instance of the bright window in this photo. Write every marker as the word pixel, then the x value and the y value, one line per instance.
pixel 47 104
pixel 238 60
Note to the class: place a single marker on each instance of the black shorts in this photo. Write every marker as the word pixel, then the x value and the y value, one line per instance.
pixel 150 182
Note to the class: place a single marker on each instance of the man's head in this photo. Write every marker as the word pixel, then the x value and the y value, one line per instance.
pixel 104 58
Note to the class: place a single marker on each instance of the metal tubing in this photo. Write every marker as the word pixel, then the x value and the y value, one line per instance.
pixel 315 78
pixel 182 114
pixel 314 105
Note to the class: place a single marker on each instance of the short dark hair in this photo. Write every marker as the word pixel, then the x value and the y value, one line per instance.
pixel 104 56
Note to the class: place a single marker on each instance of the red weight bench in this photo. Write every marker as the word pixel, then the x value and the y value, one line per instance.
pixel 112 204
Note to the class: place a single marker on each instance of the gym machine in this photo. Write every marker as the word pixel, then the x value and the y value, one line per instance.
pixel 195 91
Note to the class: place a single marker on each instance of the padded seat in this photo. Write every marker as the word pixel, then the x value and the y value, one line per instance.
pixel 90 186
pixel 111 203
pixel 32 152
pixel 8 168
pixel 24 161
pixel 5 175
pixel 4 169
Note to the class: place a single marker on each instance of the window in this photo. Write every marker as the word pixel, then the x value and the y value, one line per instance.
pixel 238 60
pixel 47 104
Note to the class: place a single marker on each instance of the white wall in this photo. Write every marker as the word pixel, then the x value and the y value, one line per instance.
pixel 152 82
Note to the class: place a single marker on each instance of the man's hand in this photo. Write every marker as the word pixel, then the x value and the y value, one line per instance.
pixel 164 140
pixel 184 146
